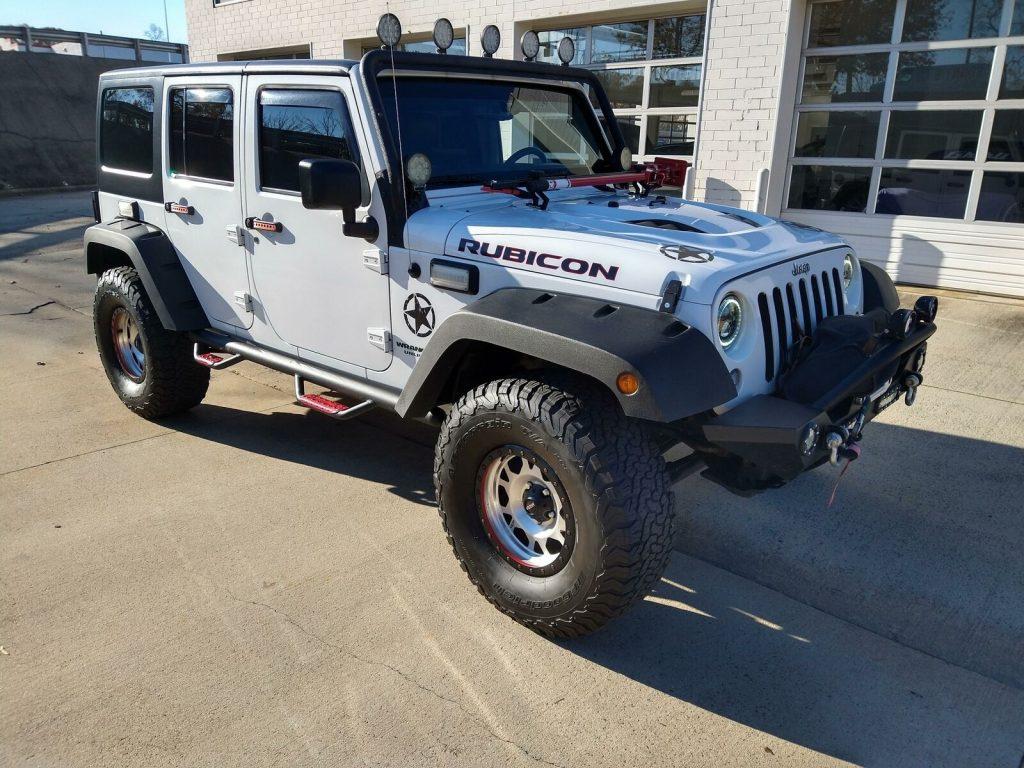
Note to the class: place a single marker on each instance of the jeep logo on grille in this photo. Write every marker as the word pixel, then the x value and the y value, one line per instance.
pixel 801 269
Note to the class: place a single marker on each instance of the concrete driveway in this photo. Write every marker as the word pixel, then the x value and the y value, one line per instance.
pixel 255 585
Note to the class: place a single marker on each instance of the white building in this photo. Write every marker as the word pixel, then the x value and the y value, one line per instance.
pixel 896 123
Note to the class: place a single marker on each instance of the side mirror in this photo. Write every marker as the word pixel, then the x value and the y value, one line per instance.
pixel 333 185
pixel 336 185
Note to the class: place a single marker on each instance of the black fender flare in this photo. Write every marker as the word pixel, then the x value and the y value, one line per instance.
pixel 148 249
pixel 681 373
pixel 879 290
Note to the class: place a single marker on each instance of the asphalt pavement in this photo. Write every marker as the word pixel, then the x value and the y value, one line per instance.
pixel 252 584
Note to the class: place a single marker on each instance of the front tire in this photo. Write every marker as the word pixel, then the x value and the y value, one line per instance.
pixel 557 506
pixel 151 368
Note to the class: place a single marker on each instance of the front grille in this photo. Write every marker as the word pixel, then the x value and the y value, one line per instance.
pixel 793 311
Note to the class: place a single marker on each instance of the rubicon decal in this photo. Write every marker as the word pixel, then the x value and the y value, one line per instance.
pixel 546 260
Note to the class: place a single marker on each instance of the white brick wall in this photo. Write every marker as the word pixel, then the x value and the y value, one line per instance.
pixel 740 98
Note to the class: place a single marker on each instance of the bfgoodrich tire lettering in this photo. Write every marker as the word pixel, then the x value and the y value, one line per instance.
pixel 170 380
pixel 612 475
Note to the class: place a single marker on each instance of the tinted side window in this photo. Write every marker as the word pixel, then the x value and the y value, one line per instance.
pixel 295 125
pixel 202 133
pixel 126 129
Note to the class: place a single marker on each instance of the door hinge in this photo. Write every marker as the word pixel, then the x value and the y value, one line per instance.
pixel 235 234
pixel 244 300
pixel 380 338
pixel 376 260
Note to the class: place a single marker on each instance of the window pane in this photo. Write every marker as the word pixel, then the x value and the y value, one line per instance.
pixel 829 188
pixel 457 48
pixel 1007 142
pixel 675 86
pixel 670 134
pixel 620 42
pixel 630 127
pixel 835 79
pixel 126 129
pixel 959 73
pixel 549 44
pixel 921 192
pixel 295 125
pixel 933 135
pixel 951 19
pixel 176 122
pixel 1017 24
pixel 1013 73
pixel 851 22
pixel 678 37
pixel 209 134
pixel 625 87
pixel 1002 197
pixel 837 134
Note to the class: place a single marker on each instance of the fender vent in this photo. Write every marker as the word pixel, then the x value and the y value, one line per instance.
pixel 786 315
pixel 675 226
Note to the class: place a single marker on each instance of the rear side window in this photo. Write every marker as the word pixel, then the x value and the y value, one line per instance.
pixel 126 129
pixel 202 133
pixel 296 125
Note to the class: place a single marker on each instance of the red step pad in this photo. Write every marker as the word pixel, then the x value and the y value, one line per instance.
pixel 322 404
pixel 209 359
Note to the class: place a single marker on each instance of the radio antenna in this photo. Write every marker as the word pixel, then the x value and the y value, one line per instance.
pixel 398 123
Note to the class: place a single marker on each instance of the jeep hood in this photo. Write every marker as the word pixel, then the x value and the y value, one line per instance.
pixel 635 244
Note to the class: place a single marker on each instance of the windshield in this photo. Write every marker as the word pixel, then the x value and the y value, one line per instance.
pixel 475 131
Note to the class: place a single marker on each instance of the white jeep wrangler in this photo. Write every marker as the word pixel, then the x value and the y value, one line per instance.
pixel 467 241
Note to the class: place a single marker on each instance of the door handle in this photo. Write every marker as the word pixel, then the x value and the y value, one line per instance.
pixel 264 226
pixel 184 210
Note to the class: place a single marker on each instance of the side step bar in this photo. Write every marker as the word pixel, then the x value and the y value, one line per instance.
pixel 327 406
pixel 214 361
pixel 349 386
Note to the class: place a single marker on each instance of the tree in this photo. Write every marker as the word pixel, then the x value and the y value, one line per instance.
pixel 154 32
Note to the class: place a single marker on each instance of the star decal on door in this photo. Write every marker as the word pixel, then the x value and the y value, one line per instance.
pixel 419 314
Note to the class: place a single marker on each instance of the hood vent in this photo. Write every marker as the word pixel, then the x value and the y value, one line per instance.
pixel 666 224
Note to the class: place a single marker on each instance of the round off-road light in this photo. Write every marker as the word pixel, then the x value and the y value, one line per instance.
pixel 490 40
pixel 730 320
pixel 927 307
pixel 809 438
pixel 625 157
pixel 901 322
pixel 444 35
pixel 628 383
pixel 418 170
pixel 849 268
pixel 529 44
pixel 566 50
pixel 389 29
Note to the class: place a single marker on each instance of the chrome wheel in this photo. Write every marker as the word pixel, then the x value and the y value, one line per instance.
pixel 128 345
pixel 525 510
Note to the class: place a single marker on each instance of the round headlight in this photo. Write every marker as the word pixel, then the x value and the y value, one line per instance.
pixel 444 35
pixel 626 158
pixel 389 29
pixel 490 40
pixel 730 319
pixel 418 170
pixel 566 50
pixel 529 43
pixel 848 270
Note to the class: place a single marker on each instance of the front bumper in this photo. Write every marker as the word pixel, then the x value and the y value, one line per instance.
pixel 765 442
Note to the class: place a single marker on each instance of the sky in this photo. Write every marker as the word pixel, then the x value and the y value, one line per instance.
pixel 112 17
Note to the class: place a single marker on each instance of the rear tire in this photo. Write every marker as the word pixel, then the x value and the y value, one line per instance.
pixel 515 445
pixel 151 369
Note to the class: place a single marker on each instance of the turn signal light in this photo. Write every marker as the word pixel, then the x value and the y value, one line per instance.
pixel 628 383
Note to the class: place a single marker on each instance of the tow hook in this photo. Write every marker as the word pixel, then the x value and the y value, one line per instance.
pixel 911 382
pixel 835 439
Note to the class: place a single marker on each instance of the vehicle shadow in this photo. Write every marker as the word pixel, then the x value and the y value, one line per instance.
pixel 401 459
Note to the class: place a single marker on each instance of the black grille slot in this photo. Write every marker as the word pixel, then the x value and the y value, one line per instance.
pixel 784 320
pixel 839 291
pixel 769 346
